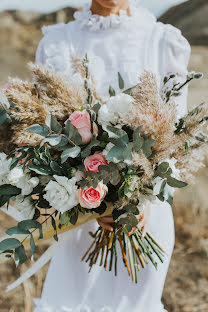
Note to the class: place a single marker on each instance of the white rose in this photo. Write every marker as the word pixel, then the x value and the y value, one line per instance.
pixel 4 168
pixel 120 104
pixel 61 194
pixel 22 180
pixel 115 107
pixel 26 205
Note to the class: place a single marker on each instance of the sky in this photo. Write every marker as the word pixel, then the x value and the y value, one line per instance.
pixel 157 6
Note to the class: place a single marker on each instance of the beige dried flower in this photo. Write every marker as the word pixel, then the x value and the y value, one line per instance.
pixel 140 160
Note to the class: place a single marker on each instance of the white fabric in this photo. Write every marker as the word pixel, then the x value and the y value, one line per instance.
pixel 127 45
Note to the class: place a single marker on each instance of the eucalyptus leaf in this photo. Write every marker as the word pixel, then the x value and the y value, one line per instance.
pixel 72 133
pixel 42 130
pixel 71 152
pixel 53 124
pixel 3 117
pixel 120 81
pixel 53 140
pixel 42 170
pixel 31 224
pixel 9 243
pixel 86 152
pixel 111 91
pixel 55 167
pixel 175 183
pixel 9 190
pixel 19 255
pixel 16 230
pixel 32 246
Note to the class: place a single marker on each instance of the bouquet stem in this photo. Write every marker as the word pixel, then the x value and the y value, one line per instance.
pixel 134 249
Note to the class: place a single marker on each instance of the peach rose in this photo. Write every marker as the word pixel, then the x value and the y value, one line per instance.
pixel 92 162
pixel 81 120
pixel 92 197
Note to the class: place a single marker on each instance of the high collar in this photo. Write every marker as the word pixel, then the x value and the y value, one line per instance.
pixel 95 22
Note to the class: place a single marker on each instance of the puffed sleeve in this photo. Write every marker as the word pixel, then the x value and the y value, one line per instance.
pixel 55 48
pixel 175 54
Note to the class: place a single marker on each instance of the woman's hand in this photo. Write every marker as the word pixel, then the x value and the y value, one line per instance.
pixel 143 221
pixel 107 222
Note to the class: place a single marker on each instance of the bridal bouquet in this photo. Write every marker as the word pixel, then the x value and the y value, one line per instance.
pixel 73 156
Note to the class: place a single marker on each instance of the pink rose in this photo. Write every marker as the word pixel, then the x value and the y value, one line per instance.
pixel 92 197
pixel 81 120
pixel 92 162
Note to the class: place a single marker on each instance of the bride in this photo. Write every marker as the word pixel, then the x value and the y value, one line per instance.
pixel 118 37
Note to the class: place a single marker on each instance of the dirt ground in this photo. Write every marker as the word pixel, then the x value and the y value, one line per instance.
pixel 186 288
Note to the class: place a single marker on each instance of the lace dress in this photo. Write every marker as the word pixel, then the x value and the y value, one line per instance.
pixel 114 44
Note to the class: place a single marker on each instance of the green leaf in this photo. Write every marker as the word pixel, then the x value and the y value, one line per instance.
pixel 71 152
pixel 111 91
pixel 115 154
pixel 42 130
pixel 64 218
pixel 53 140
pixel 4 199
pixel 53 222
pixel 9 243
pixel 137 139
pixel 101 209
pixel 130 90
pixel 74 217
pixel 42 170
pixel 3 117
pixel 147 146
pixel 86 152
pixel 117 213
pixel 16 230
pixel 31 224
pixel 52 123
pixel 119 133
pixel 120 81
pixel 72 133
pixel 9 190
pixel 175 183
pixel 96 108
pixel 32 246
pixel 20 256
pixel 55 167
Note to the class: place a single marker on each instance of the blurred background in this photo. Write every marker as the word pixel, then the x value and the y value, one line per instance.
pixel 186 288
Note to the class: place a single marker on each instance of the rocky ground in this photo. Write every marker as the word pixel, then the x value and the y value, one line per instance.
pixel 186 288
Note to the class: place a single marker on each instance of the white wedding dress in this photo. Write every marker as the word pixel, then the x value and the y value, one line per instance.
pixel 114 44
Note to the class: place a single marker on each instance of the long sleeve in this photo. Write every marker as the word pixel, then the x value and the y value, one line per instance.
pixel 55 48
pixel 175 55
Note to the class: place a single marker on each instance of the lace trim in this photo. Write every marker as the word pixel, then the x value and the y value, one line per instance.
pixel 96 22
pixel 44 307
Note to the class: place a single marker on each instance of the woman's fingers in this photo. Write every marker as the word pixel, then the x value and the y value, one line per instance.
pixel 105 226
pixel 107 219
pixel 144 230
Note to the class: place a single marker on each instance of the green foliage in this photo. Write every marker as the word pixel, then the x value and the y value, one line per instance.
pixel 9 243
pixel 129 220
pixel 19 255
pixel 42 170
pixel 69 216
pixel 3 117
pixel 107 174
pixel 31 224
pixel 71 152
pixel 87 151
pixel 42 130
pixel 9 190
pixel 53 124
pixel 72 133
pixel 111 91
pixel 120 81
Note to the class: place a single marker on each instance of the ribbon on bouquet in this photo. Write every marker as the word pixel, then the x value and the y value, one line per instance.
pixel 63 235
pixel 46 256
